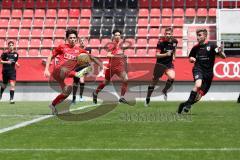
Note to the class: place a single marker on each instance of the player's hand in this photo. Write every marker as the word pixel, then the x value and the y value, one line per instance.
pixel 192 59
pixel 47 73
pixel 18 65
pixel 8 62
pixel 169 53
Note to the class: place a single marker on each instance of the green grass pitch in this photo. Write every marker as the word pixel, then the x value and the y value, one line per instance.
pixel 211 131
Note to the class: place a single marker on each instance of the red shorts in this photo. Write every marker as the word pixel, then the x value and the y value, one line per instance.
pixel 110 72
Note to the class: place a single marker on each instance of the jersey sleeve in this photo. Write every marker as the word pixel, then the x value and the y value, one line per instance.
pixel 193 52
pixel 4 57
pixel 16 57
pixel 214 48
pixel 160 47
pixel 58 50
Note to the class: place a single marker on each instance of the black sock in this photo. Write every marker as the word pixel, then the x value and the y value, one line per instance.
pixel 168 85
pixel 150 90
pixel 191 100
pixel 81 89
pixel 75 87
pixel 2 90
pixel 11 94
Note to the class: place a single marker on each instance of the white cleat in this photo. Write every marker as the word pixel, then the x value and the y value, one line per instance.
pixel 54 110
pixel 12 101
pixel 81 99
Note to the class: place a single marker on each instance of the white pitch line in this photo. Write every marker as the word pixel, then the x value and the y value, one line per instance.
pixel 26 123
pixel 115 149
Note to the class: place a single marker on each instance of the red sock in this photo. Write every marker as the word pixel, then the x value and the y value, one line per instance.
pixel 100 87
pixel 58 99
pixel 124 88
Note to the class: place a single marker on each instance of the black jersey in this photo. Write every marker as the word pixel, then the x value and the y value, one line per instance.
pixel 205 56
pixel 9 56
pixel 164 46
pixel 88 49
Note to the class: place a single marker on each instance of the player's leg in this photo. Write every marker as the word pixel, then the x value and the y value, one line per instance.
pixel 4 84
pixel 82 84
pixel 12 90
pixel 238 101
pixel 124 77
pixel 171 76
pixel 75 87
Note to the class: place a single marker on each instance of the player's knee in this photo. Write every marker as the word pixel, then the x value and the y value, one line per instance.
pixel 67 90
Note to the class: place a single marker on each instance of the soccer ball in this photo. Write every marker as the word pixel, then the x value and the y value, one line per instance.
pixel 83 59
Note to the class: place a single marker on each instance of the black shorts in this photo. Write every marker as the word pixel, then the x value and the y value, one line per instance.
pixel 75 79
pixel 206 78
pixel 7 76
pixel 160 69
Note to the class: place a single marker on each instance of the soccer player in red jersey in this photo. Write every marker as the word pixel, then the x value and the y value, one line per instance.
pixel 64 72
pixel 117 65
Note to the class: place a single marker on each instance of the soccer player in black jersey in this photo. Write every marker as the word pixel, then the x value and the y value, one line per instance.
pixel 165 53
pixel 9 60
pixel 75 79
pixel 238 101
pixel 203 56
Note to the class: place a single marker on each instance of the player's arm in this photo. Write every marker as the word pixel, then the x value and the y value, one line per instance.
pixel 3 59
pixel 220 52
pixel 159 51
pixel 192 55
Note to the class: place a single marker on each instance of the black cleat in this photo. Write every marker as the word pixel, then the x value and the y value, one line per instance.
pixel 147 101
pixel 164 95
pixel 94 97
pixel 123 100
pixel 238 101
pixel 187 108
pixel 180 108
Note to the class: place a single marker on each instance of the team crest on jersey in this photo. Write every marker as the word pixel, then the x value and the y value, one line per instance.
pixel 196 76
pixel 174 44
pixel 15 55
pixel 208 48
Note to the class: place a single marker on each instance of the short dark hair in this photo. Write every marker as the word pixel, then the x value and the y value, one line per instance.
pixel 169 29
pixel 10 42
pixel 71 31
pixel 116 30
pixel 202 30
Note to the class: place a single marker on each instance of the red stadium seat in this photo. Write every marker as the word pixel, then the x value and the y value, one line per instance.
pixel 141 52
pixel 5 13
pixel 86 3
pixel 23 43
pixel 12 32
pixel 202 3
pixel 105 41
pixel 86 13
pixel 84 22
pixel 143 3
pixel 60 32
pixel 16 13
pixel 179 52
pixel 180 43
pixel 155 3
pixel 24 32
pixel 167 12
pixel 142 22
pixel 212 12
pixel 154 32
pixel 73 22
pixel 155 22
pixel 61 22
pixel 15 23
pixel 27 13
pixel 95 52
pixel 212 3
pixel 22 52
pixel 62 13
pixel 153 42
pixel 83 32
pixel 152 52
pixel 201 12
pixel 47 43
pixel 27 23
pixel 52 3
pixel 35 43
pixel 178 22
pixel 33 53
pixel 143 12
pixel 48 32
pixel 45 52
pixel 166 22
pixel 142 32
pixel 58 41
pixel 50 22
pixel 2 43
pixel 103 52
pixel 190 3
pixel 166 3
pixel 63 4
pixel 18 4
pixel 75 3
pixel 38 22
pixel 190 12
pixel 129 52
pixel 178 12
pixel 74 13
pixel 4 23
pixel 178 3
pixel 94 42
pixel 51 13
pixel 36 32
pixel 39 13
pixel 155 12
pixel 141 42
pixel 177 32
pixel 41 4
pixel 6 4
pixel 132 41
pixel 3 32
pixel 29 4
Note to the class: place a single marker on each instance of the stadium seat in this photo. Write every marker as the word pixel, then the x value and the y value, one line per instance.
pixel 51 13
pixel 97 12
pixel 86 13
pixel 142 22
pixel 155 12
pixel 49 22
pixel 178 22
pixel 61 22
pixel 38 22
pixel 18 4
pixel 120 12
pixel 121 4
pixel 132 41
pixel 141 42
pixel 58 41
pixel 63 4
pixel 106 31
pixel 167 4
pixel 36 32
pixel 5 13
pixel 153 42
pixel 27 23
pixel 48 32
pixel 24 32
pixel 119 21
pixel 142 32
pixel 141 52
pixel 212 12
pixel 94 42
pixel 155 3
pixel 190 3
pixel 73 22
pixel 74 13
pixel 16 13
pixel 109 13
pixel 130 31
pixel 27 13
pixel 41 4
pixel 47 43
pixel 95 31
pixel 33 53
pixel 83 32
pixel 154 32
pixel 178 12
pixel 151 52
pixel 143 12
pixel 60 32
pixel 132 12
pixel 96 21
pixel 167 12
pixel 103 52
pixel 131 21
pixel 4 23
pixel 35 43
pixel 166 22
pixel 179 52
pixel 95 52
pixel 107 21
pixel 109 4
pixel 201 12
pixel 133 4
pixel 39 13
pixel 22 52
pixel 15 23
pixel 6 4
pixel 129 52
pixel 177 32
pixel 84 22
pixel 29 4
pixel 45 52
pixel 62 13
pixel 155 22
pixel 202 4
pixel 75 3
pixel 212 3
pixel 190 12
pixel 178 4
pixel 180 43
pixel 52 3
pixel 2 42
pixel 98 4
pixel 86 3
pixel 104 41
pixel 143 3
pixel 23 43
pixel 12 33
